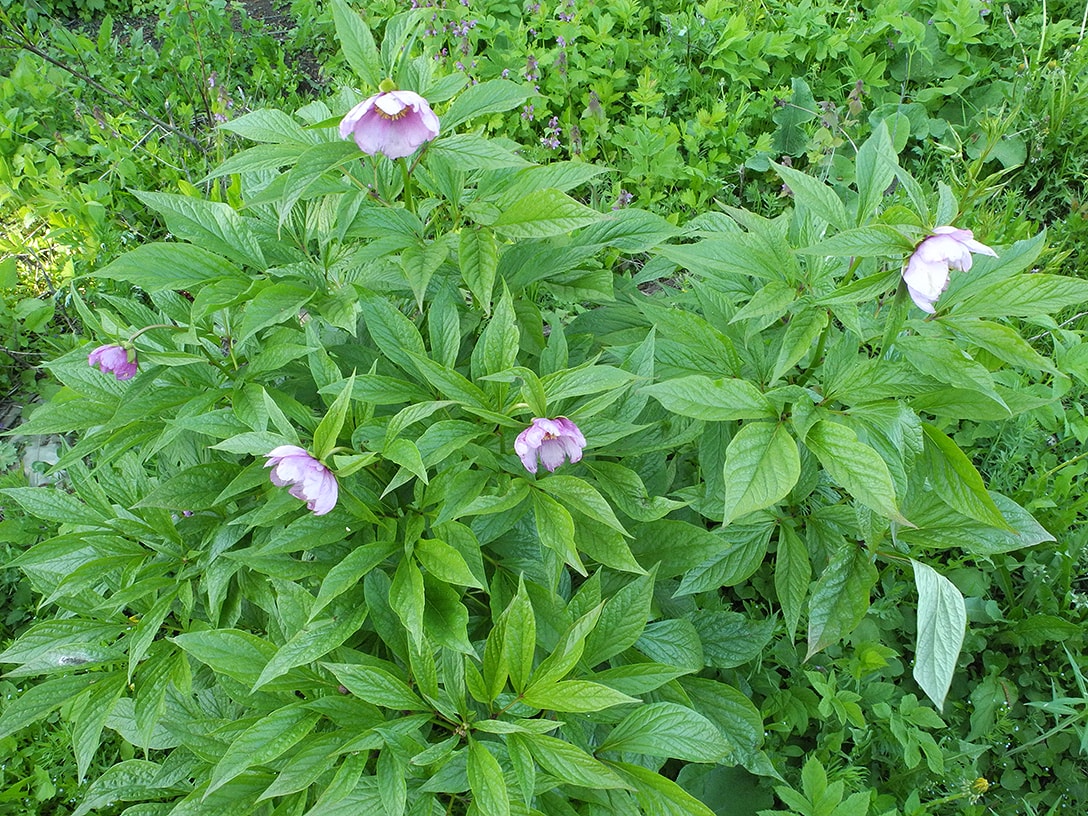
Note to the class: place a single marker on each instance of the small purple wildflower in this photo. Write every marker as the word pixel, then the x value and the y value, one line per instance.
pixel 623 200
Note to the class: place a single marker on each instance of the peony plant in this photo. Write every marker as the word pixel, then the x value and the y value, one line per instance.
pixel 439 630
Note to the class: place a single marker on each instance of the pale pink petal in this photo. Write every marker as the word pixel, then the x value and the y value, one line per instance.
pixel 571 448
pixel 390 104
pixel 287 450
pixel 349 122
pixel 552 454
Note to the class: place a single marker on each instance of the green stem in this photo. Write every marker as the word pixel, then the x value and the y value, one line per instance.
pixel 409 201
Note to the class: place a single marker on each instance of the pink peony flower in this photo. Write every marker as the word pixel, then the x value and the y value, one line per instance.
pixel 926 273
pixel 116 360
pixel 552 440
pixel 310 480
pixel 393 123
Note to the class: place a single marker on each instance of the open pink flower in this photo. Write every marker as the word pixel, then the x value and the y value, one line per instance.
pixel 116 360
pixel 926 273
pixel 310 480
pixel 393 123
pixel 552 440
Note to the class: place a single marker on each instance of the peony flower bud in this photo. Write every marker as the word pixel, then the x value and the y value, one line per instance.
pixel 926 273
pixel 114 359
pixel 552 441
pixel 310 480
pixel 393 123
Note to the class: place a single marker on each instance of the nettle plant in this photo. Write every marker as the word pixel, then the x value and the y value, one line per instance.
pixel 396 490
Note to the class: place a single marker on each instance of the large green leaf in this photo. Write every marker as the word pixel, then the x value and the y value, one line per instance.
pixel 265 740
pixel 717 400
pixel 855 466
pixel 486 781
pixel 954 478
pixel 942 622
pixel 493 96
pixel 357 43
pixel 667 730
pixel 840 598
pixel 158 266
pixel 544 213
pixel 761 466
pixel 211 224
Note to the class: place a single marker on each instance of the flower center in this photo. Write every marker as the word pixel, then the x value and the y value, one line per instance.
pixel 550 436
pixel 393 117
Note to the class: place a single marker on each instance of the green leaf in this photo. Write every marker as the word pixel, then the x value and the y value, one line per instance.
pixel 314 640
pixel 945 361
pixel 349 571
pixel 90 712
pixel 265 740
pixel 9 273
pixel 255 159
pixel 486 781
pixel 579 495
pixel 1024 296
pixel 667 730
pixel 195 488
pixel 942 622
pixel 544 213
pixel 53 505
pixel 840 598
pixel 659 795
pixel 357 43
pixel 792 574
pixel 627 491
pixel 941 527
pixel 377 686
pixel 493 96
pixel 857 467
pixel 497 348
pixel 743 551
pixel 875 170
pixel 817 197
pixel 213 225
pixel 761 467
pixel 576 696
pixel 873 241
pixel 555 528
pixel 272 126
pixel 445 563
pixel 132 779
pixel 478 255
pixel 731 639
pixel 1001 341
pixel 239 655
pixel 640 678
pixel 420 261
pixel 273 304
pixel 673 642
pixel 622 620
pixel 328 430
pixel 449 383
pixel 801 336
pixel 40 700
pixel 519 638
pixel 467 151
pixel 396 336
pixel 955 480
pixel 406 597
pixel 717 400
pixel 568 651
pixel 570 764
pixel 314 163
pixel 584 380
pixel 158 266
